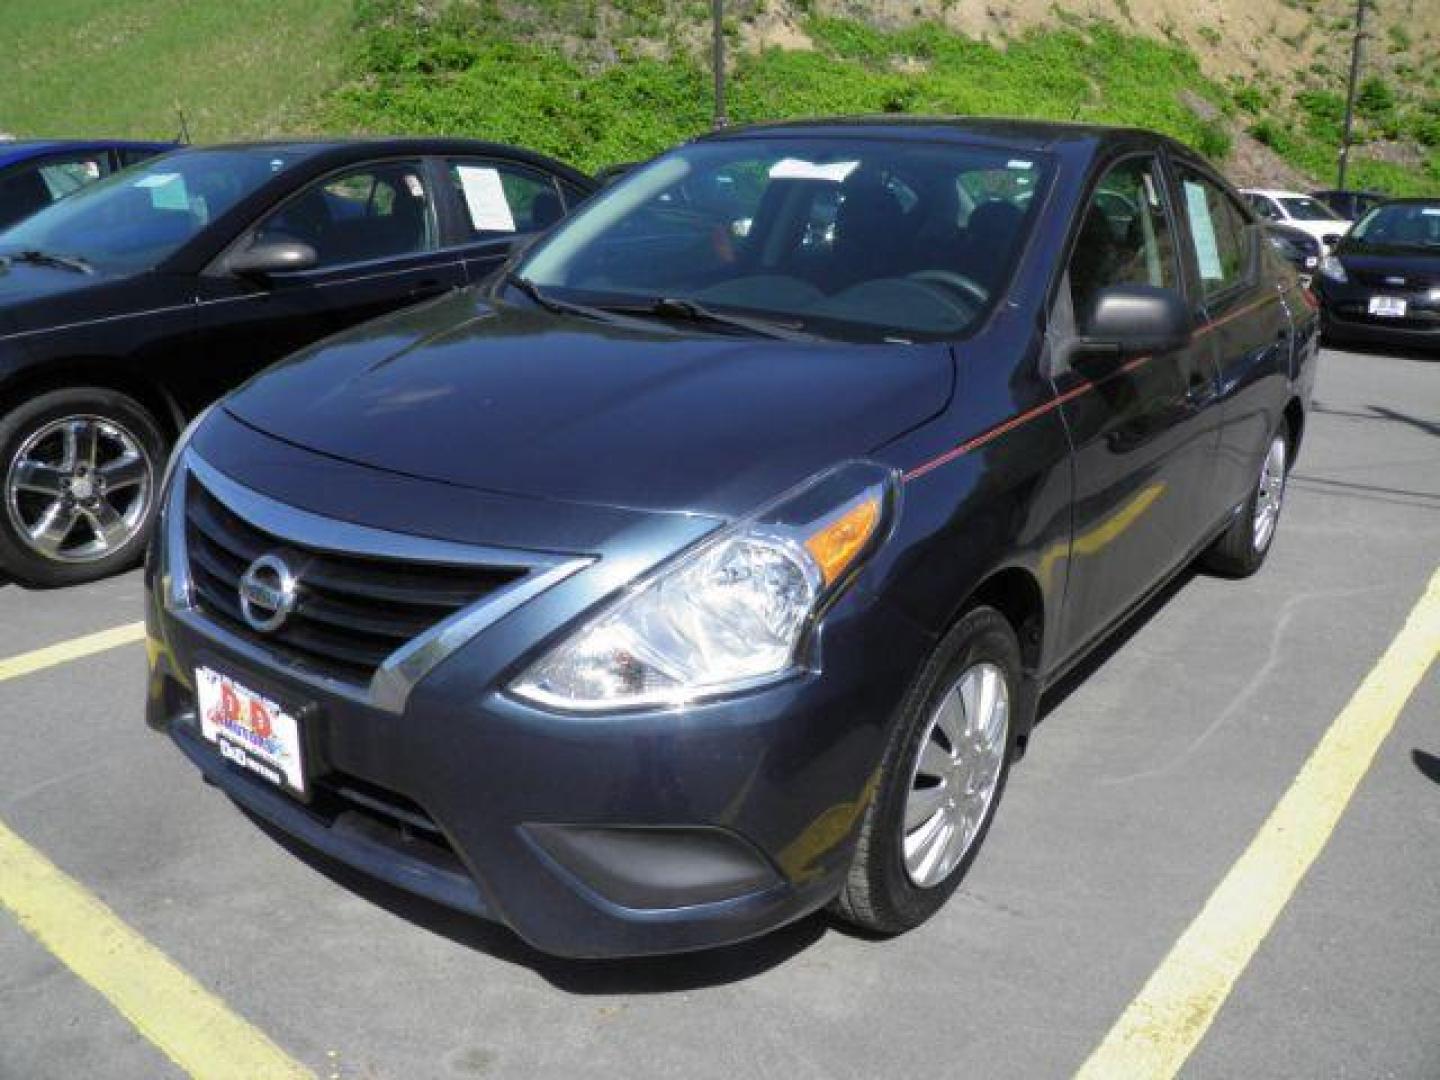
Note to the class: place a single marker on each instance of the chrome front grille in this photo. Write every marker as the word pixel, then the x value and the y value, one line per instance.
pixel 351 611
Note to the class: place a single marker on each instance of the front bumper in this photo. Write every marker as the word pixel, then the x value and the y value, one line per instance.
pixel 650 832
pixel 1344 310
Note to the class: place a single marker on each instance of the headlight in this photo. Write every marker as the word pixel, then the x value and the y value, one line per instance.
pixel 1332 268
pixel 731 614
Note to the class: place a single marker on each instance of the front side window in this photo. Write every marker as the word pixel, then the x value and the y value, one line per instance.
pixel 373 212
pixel 854 239
pixel 1264 207
pixel 134 219
pixel 1125 237
pixel 1221 237
pixel 500 200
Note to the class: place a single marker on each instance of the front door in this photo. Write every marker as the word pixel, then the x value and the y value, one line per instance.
pixel 1142 446
pixel 375 232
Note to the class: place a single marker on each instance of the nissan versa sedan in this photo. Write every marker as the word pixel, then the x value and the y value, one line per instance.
pixel 706 567
pixel 1382 285
pixel 133 303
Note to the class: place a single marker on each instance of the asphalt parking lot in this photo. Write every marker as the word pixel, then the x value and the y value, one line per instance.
pixel 1148 778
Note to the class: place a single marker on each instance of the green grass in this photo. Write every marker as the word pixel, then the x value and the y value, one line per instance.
pixel 452 75
pixel 239 69
pixel 596 83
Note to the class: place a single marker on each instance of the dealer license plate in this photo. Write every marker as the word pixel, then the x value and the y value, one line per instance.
pixel 1389 307
pixel 250 730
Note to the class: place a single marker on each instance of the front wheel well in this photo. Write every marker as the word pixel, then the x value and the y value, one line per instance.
pixel 1016 595
pixel 97 372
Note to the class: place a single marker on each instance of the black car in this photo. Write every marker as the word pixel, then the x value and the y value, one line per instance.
pixel 1350 205
pixel 37 172
pixel 708 566
pixel 1382 284
pixel 133 303
pixel 1298 248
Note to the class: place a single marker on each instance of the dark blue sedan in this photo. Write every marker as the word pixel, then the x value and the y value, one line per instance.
pixel 706 567
pixel 36 172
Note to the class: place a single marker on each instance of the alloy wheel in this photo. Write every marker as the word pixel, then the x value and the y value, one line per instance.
pixel 1270 494
pixel 78 489
pixel 956 774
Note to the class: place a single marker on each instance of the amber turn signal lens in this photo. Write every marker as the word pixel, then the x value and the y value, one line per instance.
pixel 835 546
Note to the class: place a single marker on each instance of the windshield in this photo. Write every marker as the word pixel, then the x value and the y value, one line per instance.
pixel 1304 208
pixel 1412 226
pixel 137 218
pixel 856 239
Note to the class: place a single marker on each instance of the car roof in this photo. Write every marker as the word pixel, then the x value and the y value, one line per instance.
pixel 993 130
pixel 343 151
pixel 16 150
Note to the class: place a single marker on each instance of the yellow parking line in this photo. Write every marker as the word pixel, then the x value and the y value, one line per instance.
pixel 189 1024
pixel 1163 1025
pixel 74 649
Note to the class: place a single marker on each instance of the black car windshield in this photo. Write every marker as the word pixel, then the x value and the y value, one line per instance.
pixel 1401 226
pixel 137 218
pixel 1304 208
pixel 855 239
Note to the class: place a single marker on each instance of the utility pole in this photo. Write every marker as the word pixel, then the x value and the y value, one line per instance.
pixel 717 59
pixel 1350 93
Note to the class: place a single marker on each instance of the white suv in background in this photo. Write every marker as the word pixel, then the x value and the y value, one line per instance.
pixel 1299 211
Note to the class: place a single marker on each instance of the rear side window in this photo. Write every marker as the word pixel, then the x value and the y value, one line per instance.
pixel 1125 237
pixel 498 199
pixel 1220 234
pixel 373 212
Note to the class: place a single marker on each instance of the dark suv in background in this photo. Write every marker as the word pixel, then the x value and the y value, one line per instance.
pixel 707 568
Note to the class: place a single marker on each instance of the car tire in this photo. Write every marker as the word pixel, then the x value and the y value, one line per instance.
pixel 80 471
pixel 1241 549
pixel 890 887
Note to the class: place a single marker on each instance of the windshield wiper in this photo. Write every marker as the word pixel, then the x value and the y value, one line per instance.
pixel 671 307
pixel 45 258
pixel 551 303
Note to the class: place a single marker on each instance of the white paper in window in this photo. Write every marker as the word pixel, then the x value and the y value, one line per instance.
pixel 485 198
pixel 797 169
pixel 1203 229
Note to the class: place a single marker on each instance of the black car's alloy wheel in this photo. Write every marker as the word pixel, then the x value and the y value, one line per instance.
pixel 941 780
pixel 80 472
pixel 1241 549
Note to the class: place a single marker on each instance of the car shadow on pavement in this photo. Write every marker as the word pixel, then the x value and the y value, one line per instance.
pixel 1428 764
pixel 638 975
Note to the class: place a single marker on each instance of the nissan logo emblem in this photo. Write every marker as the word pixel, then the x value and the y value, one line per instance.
pixel 267 593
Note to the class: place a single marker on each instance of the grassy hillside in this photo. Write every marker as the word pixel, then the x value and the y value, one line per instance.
pixel 239 68
pixel 1257 85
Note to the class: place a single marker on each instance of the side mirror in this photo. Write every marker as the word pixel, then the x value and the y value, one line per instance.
pixel 273 257
pixel 1131 320
pixel 1331 239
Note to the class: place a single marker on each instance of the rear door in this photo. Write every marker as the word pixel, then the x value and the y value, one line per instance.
pixel 493 204
pixel 376 231
pixel 1143 445
pixel 1243 326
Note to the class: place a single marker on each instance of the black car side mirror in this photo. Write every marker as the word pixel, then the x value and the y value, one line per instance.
pixel 273 257
pixel 1131 320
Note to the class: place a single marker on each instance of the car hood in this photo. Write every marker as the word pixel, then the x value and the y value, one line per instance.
pixel 518 401
pixel 1418 268
pixel 28 293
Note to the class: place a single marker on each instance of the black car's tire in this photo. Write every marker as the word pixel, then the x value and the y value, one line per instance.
pixel 1241 549
pixel 88 456
pixel 884 892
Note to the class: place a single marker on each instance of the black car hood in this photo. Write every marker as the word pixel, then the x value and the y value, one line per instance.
pixel 1417 267
pixel 519 401
pixel 36 296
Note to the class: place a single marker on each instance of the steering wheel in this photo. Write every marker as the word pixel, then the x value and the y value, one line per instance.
pixel 973 292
